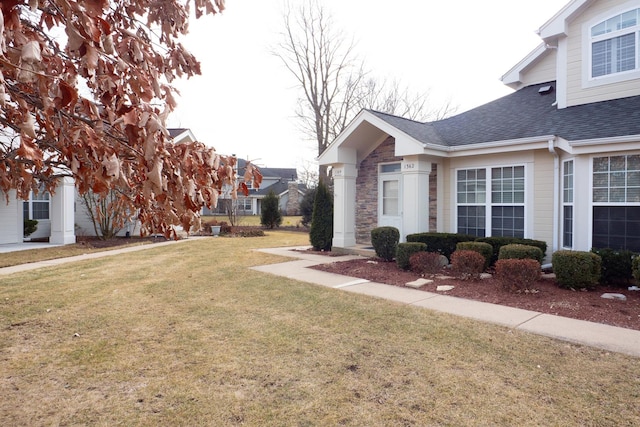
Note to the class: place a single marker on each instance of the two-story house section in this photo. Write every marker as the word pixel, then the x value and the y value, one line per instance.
pixel 556 160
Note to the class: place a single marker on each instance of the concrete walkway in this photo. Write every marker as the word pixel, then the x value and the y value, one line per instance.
pixel 40 264
pixel 597 335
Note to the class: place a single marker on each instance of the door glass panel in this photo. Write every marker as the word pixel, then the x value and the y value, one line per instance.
pixel 390 198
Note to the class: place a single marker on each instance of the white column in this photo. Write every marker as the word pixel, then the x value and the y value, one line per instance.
pixel 344 205
pixel 415 195
pixel 62 213
pixel 582 209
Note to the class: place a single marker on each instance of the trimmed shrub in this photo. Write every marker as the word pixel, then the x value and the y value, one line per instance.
pixel 321 232
pixel 385 242
pixel 635 266
pixel 518 251
pixel 517 274
pixel 425 262
pixel 405 251
pixel 616 266
pixel 484 249
pixel 270 215
pixel 29 227
pixel 576 269
pixel 469 264
pixel 498 242
pixel 443 243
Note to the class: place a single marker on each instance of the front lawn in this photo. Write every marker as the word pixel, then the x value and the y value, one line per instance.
pixel 187 335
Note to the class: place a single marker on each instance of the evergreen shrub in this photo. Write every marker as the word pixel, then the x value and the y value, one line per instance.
pixel 616 266
pixel 519 251
pixel 270 216
pixel 405 251
pixel 443 243
pixel 576 269
pixel 385 242
pixel 321 232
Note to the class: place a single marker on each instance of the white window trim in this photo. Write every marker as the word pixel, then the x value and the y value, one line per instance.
pixel 591 201
pixel 30 202
pixel 527 204
pixel 571 203
pixel 587 46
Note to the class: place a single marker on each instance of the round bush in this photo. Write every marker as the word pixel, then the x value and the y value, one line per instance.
pixel 518 274
pixel 426 262
pixel 518 251
pixel 385 242
pixel 467 263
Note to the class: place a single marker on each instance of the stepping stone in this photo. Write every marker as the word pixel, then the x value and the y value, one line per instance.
pixel 614 296
pixel 548 276
pixel 419 283
pixel 444 288
pixel 485 276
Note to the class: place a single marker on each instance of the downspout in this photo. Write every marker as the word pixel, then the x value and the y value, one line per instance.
pixel 556 195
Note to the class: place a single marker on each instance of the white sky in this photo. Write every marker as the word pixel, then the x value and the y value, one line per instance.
pixel 244 102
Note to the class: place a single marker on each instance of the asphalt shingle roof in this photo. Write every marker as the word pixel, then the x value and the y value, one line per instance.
pixel 526 114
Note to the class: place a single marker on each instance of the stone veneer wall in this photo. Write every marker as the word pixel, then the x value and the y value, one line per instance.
pixel 367 189
pixel 293 201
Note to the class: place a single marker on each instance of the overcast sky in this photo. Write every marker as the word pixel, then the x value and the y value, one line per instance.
pixel 244 102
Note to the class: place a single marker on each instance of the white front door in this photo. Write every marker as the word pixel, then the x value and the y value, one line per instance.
pixel 390 201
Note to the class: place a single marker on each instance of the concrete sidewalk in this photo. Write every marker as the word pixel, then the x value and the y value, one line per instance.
pixel 48 263
pixel 597 335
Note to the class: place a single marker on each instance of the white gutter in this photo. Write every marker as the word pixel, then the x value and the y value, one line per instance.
pixel 556 194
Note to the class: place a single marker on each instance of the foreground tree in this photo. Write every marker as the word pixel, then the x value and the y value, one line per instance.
pixel 111 133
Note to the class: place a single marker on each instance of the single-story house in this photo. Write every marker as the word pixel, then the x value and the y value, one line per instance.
pixel 557 160
pixel 61 216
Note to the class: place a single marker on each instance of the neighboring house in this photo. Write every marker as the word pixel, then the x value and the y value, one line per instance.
pixel 53 212
pixel 557 160
pixel 282 181
pixel 61 216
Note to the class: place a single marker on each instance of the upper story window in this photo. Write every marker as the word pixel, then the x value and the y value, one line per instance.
pixel 614 44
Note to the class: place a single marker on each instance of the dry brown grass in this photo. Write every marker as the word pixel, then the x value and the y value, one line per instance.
pixel 187 335
pixel 27 256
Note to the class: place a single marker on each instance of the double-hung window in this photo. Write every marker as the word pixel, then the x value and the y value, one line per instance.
pixel 616 202
pixel 37 207
pixel 615 44
pixel 500 210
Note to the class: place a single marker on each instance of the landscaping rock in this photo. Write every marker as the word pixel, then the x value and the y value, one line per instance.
pixel 614 296
pixel 419 283
pixel 485 276
pixel 444 288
